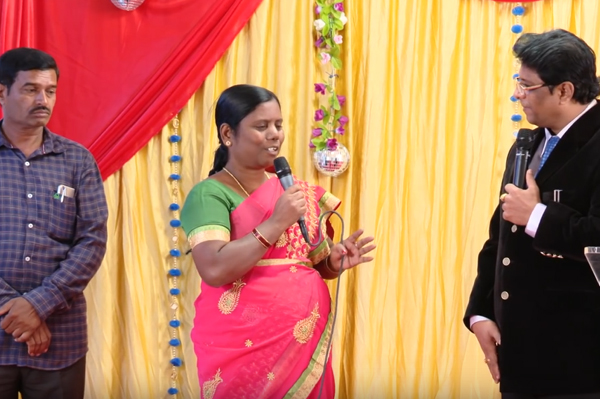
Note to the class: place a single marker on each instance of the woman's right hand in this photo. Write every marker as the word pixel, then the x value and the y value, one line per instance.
pixel 289 207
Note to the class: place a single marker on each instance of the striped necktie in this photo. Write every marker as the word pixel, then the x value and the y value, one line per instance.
pixel 549 147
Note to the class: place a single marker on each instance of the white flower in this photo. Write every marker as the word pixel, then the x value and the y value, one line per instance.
pixel 343 18
pixel 338 39
pixel 319 24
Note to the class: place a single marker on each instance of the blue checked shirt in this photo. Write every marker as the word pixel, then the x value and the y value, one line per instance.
pixel 50 246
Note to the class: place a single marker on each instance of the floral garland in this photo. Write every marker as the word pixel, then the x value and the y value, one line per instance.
pixel 328 117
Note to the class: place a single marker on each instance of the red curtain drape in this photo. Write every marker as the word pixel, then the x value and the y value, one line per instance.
pixel 124 74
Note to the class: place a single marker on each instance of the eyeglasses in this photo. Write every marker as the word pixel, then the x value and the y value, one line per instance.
pixel 523 89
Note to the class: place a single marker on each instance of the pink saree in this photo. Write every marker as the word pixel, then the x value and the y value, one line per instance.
pixel 265 336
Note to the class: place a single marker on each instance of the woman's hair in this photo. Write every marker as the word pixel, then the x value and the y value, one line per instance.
pixel 234 104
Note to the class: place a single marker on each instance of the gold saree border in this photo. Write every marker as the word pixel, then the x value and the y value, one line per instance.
pixel 320 253
pixel 329 202
pixel 279 262
pixel 208 233
pixel 312 375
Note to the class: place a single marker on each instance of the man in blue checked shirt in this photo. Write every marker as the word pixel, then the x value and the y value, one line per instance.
pixel 52 236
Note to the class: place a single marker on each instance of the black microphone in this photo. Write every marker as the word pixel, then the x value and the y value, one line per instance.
pixel 284 173
pixel 524 144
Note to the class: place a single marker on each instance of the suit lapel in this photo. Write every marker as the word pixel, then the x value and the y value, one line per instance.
pixel 575 138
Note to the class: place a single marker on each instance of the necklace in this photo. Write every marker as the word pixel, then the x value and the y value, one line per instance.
pixel 238 182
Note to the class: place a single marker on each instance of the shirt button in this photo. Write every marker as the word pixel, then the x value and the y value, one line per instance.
pixel 506 261
pixel 27 163
pixel 29 195
pixel 30 225
pixel 514 228
pixel 27 259
pixel 504 295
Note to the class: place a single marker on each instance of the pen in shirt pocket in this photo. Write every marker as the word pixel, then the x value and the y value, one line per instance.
pixel 64 191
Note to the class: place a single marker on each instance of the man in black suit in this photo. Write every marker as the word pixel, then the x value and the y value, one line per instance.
pixel 535 303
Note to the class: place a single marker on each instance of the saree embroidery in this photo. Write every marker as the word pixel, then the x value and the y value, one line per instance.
pixel 304 329
pixel 210 387
pixel 230 298
pixel 312 374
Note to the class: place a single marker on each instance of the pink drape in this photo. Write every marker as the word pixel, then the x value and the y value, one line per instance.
pixel 124 74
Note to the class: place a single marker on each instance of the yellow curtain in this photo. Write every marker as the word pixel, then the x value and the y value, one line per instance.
pixel 428 85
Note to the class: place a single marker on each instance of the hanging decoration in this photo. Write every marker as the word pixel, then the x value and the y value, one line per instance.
pixel 174 271
pixel 517 28
pixel 127 5
pixel 330 157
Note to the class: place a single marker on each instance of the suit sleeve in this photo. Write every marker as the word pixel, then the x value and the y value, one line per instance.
pixel 567 232
pixel 481 301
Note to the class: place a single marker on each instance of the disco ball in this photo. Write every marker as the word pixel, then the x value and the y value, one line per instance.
pixel 127 5
pixel 332 162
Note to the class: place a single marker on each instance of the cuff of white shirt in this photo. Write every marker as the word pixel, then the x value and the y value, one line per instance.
pixel 534 219
pixel 476 319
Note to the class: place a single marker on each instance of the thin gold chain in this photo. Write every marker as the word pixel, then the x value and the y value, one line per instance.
pixel 238 182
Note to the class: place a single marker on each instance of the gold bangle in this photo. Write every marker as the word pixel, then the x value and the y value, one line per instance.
pixel 263 241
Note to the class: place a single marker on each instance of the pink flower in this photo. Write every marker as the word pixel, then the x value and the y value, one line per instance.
pixel 311 145
pixel 341 100
pixel 338 39
pixel 331 144
pixel 343 120
pixel 340 130
pixel 319 115
pixel 317 9
pixel 325 58
pixel 317 132
pixel 320 88
pixel 339 7
pixel 319 41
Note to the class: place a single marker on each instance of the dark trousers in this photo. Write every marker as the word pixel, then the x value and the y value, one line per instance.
pixel 568 396
pixel 68 383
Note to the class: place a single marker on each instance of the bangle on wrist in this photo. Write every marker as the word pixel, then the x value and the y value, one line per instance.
pixel 263 241
pixel 328 267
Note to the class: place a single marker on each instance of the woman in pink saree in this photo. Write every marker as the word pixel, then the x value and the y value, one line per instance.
pixel 263 317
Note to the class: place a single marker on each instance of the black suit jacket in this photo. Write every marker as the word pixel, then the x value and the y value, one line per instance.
pixel 549 318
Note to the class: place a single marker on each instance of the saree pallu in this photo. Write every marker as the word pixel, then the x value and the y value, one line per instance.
pixel 266 335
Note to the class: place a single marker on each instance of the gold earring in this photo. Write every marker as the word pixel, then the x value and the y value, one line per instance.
pixel 228 143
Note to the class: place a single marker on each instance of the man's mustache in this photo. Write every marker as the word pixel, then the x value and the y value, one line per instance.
pixel 42 108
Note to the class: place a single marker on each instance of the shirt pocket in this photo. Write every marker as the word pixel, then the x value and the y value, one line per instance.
pixel 62 218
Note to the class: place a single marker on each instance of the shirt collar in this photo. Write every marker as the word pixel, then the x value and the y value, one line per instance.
pixel 564 129
pixel 49 144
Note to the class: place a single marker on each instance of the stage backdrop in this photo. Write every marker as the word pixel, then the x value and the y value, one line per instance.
pixel 428 84
pixel 123 74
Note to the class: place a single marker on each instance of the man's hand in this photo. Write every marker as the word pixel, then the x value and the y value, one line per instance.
pixel 518 204
pixel 21 319
pixel 39 342
pixel 488 335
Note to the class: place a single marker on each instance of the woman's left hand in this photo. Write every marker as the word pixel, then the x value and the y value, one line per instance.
pixel 354 249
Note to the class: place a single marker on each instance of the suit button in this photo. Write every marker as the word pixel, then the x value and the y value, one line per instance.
pixel 506 261
pixel 504 295
pixel 514 228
